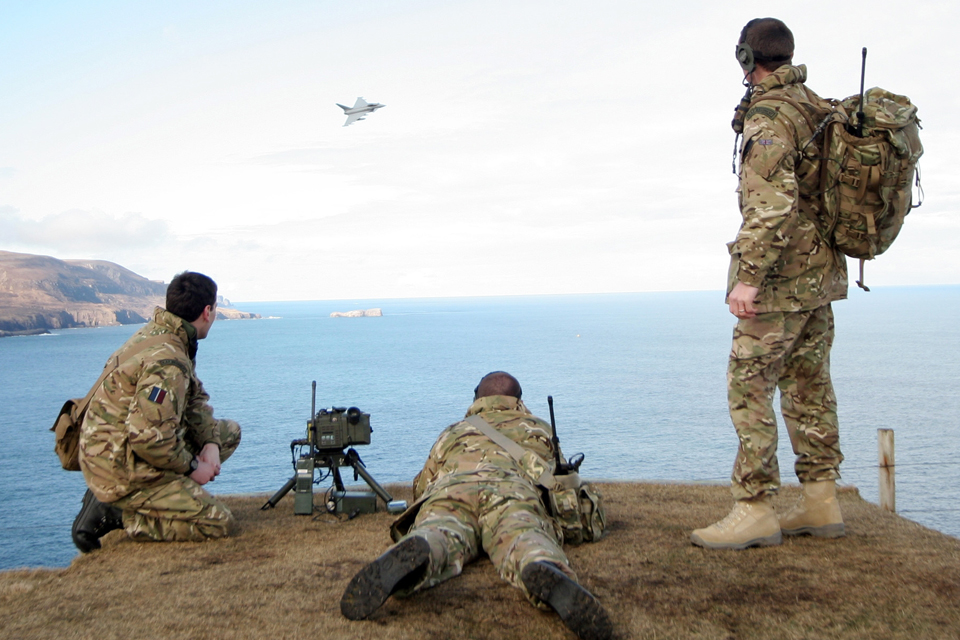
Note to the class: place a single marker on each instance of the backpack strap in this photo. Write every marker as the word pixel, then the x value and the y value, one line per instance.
pixel 793 103
pixel 114 363
pixel 546 479
pixel 815 129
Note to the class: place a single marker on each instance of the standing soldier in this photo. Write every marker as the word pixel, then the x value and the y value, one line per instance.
pixel 472 497
pixel 149 439
pixel 783 277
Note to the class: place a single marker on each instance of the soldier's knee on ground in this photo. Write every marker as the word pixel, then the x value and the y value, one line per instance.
pixel 145 529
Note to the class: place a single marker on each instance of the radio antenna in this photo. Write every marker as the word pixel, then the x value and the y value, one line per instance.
pixel 863 73
pixel 555 439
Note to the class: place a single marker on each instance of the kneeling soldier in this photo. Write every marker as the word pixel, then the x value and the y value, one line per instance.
pixel 149 439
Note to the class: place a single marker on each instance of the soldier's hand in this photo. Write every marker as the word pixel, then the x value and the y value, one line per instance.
pixel 211 455
pixel 741 300
pixel 205 472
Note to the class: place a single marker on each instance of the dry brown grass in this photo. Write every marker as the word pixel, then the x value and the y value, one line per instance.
pixel 283 575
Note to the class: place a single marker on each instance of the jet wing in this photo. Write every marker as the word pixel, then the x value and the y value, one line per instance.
pixel 353 117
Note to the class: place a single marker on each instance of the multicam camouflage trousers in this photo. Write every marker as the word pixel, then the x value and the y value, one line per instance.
pixel 504 518
pixel 790 351
pixel 180 510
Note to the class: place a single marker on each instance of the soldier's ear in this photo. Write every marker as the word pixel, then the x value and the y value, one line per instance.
pixel 476 392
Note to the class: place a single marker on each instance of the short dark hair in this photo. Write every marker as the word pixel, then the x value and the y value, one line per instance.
pixel 498 383
pixel 189 293
pixel 771 41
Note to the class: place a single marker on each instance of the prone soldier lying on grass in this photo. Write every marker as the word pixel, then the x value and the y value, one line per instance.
pixel 472 497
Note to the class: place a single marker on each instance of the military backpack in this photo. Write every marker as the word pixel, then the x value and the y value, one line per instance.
pixel 868 166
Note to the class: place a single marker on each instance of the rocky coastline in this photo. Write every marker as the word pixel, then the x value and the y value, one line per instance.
pixel 41 293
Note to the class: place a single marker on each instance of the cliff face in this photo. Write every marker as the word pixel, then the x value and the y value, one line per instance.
pixel 39 293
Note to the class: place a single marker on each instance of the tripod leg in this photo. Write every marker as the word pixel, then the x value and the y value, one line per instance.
pixel 337 480
pixel 272 502
pixel 361 470
pixel 380 491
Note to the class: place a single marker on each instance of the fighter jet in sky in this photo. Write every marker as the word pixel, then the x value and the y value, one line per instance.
pixel 359 110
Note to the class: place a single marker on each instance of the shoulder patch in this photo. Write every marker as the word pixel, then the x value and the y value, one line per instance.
pixel 157 395
pixel 761 111
pixel 171 362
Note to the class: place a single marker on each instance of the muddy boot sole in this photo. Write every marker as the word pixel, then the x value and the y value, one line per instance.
pixel 369 589
pixel 578 609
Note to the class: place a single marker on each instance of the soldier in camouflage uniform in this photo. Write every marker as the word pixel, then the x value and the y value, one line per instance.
pixel 472 497
pixel 783 277
pixel 149 440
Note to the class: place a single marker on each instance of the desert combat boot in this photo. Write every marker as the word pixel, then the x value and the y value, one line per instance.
pixel 817 512
pixel 751 523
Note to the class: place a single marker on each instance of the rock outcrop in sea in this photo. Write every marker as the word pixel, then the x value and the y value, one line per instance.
pixel 358 313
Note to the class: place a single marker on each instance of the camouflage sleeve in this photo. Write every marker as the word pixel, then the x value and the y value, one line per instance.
pixel 153 423
pixel 430 468
pixel 199 420
pixel 768 198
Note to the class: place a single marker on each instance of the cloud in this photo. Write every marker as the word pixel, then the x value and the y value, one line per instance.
pixel 7 172
pixel 77 231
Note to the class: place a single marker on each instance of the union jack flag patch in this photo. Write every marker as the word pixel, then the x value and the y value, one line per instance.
pixel 157 395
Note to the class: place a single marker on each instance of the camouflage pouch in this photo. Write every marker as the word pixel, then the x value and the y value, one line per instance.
pixel 563 503
pixel 67 431
pixel 593 518
pixel 578 509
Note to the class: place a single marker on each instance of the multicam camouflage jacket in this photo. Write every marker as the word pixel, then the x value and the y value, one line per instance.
pixel 146 411
pixel 778 248
pixel 463 454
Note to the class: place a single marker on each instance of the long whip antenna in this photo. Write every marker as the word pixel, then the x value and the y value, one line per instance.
pixel 863 73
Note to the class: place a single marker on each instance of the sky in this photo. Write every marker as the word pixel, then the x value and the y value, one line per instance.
pixel 537 147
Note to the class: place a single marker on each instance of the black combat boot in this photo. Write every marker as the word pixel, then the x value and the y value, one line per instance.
pixel 93 522
pixel 576 606
pixel 403 566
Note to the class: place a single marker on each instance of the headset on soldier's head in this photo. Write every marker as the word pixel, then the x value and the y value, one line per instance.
pixel 745 57
pixel 748 58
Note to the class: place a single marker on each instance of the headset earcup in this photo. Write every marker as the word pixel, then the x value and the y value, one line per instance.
pixel 745 57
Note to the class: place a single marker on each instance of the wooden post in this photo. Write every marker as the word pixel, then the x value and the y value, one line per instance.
pixel 888 485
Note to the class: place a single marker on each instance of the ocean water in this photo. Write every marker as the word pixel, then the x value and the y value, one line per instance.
pixel 638 382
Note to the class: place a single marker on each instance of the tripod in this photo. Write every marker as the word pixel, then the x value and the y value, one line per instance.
pixel 332 459
pixel 328 434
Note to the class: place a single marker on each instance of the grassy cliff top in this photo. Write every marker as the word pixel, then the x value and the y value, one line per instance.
pixel 282 576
